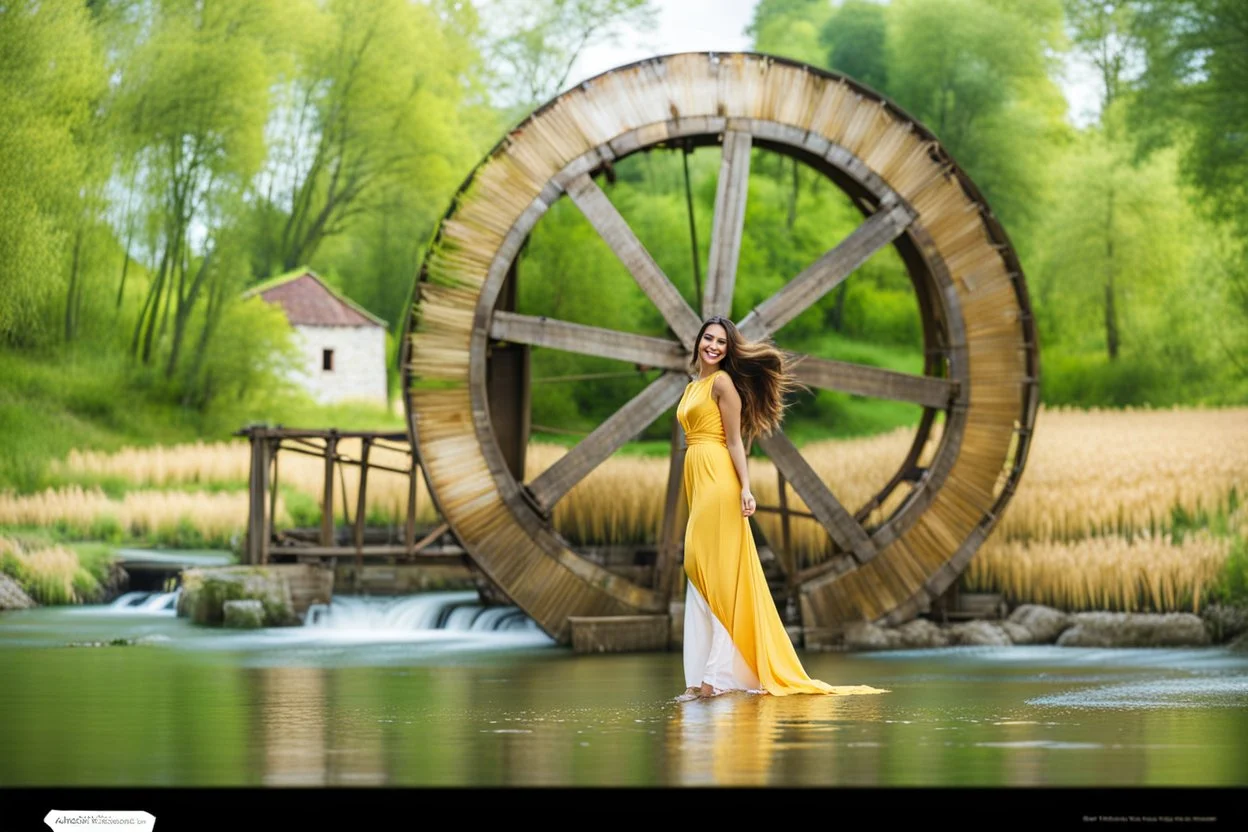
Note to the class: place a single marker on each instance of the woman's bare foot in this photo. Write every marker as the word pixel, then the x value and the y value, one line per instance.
pixel 688 695
pixel 707 691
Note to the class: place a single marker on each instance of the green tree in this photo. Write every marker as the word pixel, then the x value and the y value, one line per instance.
pixel 52 74
pixel 371 108
pixel 542 40
pixel 1193 91
pixel 790 28
pixel 978 74
pixel 1102 33
pixel 193 108
pixel 854 37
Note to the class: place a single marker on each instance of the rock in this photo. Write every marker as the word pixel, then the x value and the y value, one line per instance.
pixel 246 615
pixel 1128 629
pixel 1239 643
pixel 1018 633
pixel 206 591
pixel 922 633
pixel 1043 624
pixel 978 632
pixel 864 635
pixel 115 584
pixel 1224 621
pixel 12 596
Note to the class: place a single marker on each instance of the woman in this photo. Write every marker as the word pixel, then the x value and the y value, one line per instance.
pixel 734 638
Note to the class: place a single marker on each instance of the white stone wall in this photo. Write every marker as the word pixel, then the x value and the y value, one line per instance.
pixel 359 363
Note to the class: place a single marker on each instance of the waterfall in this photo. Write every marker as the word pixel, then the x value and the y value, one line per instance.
pixel 157 603
pixel 452 611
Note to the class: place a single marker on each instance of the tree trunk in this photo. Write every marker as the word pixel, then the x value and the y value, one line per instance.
pixel 71 301
pixel 1111 309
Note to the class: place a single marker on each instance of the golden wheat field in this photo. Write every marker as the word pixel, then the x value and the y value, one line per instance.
pixel 1085 527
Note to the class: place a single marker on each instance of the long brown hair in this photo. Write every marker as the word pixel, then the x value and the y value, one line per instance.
pixel 762 374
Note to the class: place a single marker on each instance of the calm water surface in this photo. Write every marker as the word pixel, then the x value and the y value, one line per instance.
pixel 383 693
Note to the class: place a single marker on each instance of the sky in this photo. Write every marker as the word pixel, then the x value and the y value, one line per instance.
pixel 719 26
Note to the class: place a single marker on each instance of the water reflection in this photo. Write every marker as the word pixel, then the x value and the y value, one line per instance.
pixel 743 740
pixel 214 708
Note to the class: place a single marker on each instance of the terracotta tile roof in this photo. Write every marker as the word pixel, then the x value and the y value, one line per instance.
pixel 309 301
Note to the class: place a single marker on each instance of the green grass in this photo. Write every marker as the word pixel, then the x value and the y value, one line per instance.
pixel 53 403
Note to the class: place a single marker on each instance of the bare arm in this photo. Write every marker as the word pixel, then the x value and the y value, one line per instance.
pixel 729 401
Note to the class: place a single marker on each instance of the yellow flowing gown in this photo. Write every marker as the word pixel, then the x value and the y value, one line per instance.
pixel 721 560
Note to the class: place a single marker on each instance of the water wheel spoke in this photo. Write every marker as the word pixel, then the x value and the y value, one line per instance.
pixel 862 380
pixel 845 530
pixel 625 424
pixel 730 196
pixel 822 276
pixel 540 331
pixel 617 234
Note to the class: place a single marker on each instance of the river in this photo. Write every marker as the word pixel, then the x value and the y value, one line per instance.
pixel 433 690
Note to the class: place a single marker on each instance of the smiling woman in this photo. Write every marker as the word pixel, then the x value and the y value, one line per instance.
pixel 734 638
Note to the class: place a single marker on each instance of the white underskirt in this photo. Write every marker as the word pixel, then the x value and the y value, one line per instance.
pixel 710 654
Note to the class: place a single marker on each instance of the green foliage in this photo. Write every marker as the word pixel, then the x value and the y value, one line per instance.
pixel 854 41
pixel 1233 584
pixel 51 74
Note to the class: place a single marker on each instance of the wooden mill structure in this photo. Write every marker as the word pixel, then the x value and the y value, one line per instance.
pixel 466 348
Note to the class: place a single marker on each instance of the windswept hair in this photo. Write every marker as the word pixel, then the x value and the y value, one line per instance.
pixel 762 374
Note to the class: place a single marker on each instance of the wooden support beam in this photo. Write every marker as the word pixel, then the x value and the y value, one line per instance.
pixel 861 380
pixel 622 426
pixel 541 331
pixel 729 222
pixel 258 487
pixel 613 228
pixel 844 529
pixel 327 492
pixel 670 537
pixel 822 276
pixel 409 530
pixel 361 498
pixel 787 559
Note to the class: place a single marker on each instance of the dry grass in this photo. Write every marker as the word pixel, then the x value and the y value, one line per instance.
pixel 1103 472
pixel 1095 481
pixel 50 575
pixel 1103 573
pixel 144 513
pixel 227 463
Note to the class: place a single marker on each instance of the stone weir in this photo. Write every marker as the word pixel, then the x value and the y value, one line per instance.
pixel 273 595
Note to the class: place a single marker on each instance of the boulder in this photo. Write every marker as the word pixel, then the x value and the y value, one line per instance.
pixel 1018 633
pixel 1042 625
pixel 1129 629
pixel 206 591
pixel 979 633
pixel 863 635
pixel 1239 643
pixel 12 596
pixel 116 583
pixel 922 633
pixel 245 615
pixel 1225 621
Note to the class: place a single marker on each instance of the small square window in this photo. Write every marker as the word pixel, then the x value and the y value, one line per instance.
pixel 327 360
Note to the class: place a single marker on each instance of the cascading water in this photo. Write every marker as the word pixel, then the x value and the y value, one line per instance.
pixel 451 611
pixel 436 616
pixel 157 603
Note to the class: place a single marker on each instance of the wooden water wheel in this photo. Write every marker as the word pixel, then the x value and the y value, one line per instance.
pixel 467 405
